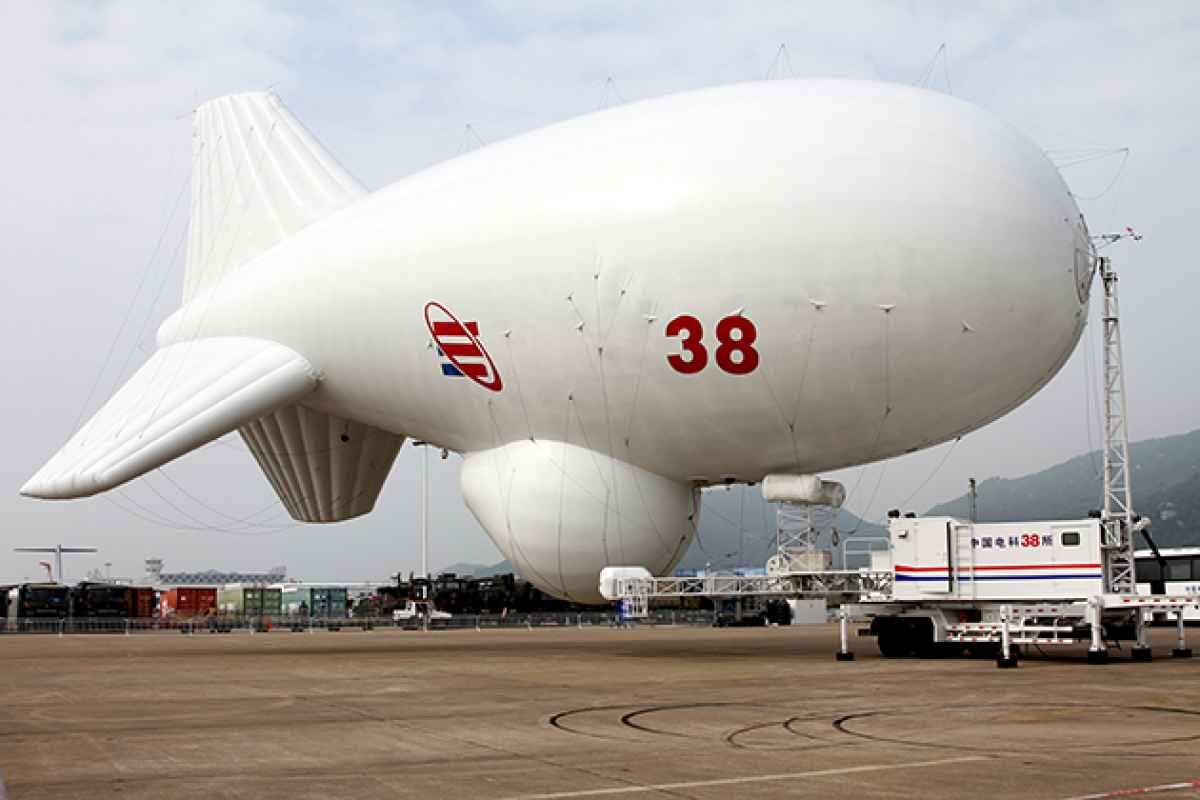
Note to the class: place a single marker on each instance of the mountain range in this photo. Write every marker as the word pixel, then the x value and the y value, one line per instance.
pixel 1165 476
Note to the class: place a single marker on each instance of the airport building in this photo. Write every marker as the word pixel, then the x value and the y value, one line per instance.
pixel 155 576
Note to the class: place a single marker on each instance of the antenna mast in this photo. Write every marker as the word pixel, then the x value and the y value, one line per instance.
pixel 1117 518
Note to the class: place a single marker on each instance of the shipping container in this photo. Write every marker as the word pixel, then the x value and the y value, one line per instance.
pixel 238 598
pixel 142 602
pixel 325 602
pixel 183 602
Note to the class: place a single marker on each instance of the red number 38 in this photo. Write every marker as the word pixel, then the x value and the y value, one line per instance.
pixel 735 351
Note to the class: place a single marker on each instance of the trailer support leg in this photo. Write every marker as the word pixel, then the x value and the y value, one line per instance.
pixel 1097 652
pixel 1005 659
pixel 844 653
pixel 1141 652
pixel 1181 650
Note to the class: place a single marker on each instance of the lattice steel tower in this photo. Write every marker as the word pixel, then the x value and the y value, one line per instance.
pixel 1117 518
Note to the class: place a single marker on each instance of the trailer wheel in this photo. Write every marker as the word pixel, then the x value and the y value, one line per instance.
pixel 894 644
pixel 948 650
pixel 983 649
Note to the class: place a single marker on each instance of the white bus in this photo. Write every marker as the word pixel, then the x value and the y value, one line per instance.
pixel 1180 574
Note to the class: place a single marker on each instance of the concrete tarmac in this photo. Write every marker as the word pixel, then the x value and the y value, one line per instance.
pixel 594 713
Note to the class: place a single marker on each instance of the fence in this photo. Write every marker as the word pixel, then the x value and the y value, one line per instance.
pixel 263 624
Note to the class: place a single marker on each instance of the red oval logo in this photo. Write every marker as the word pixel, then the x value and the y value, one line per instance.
pixel 458 342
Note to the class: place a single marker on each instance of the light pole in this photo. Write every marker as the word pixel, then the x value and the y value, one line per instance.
pixel 425 510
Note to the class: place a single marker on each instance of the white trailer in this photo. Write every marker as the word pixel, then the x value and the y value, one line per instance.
pixel 987 586
pixel 943 558
pixel 945 586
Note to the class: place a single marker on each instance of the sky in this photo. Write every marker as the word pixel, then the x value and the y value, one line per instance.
pixel 95 137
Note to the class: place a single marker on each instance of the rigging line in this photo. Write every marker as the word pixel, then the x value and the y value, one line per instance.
pixel 808 348
pixel 167 273
pixel 887 366
pixel 207 265
pixel 587 351
pixel 637 484
pixel 812 333
pixel 588 443
pixel 1087 397
pixel 871 502
pixel 507 488
pixel 766 517
pixel 154 521
pixel 562 482
pixel 610 87
pixel 1080 158
pixel 608 422
pixel 887 410
pixel 946 70
pixel 206 255
pixel 709 507
pixel 221 279
pixel 462 142
pixel 154 518
pixel 612 322
pixel 930 476
pixel 781 62
pixel 561 467
pixel 1111 184
pixel 518 550
pixel 239 520
pixel 629 428
pixel 608 426
pixel 862 471
pixel 498 468
pixel 782 414
pixel 580 329
pixel 1091 149
pixel 637 386
pixel 927 73
pixel 741 522
pixel 176 508
pixel 145 273
pixel 512 359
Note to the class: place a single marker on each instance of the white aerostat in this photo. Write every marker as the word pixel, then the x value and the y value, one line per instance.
pixel 606 314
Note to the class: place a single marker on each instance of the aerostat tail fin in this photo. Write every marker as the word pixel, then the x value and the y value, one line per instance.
pixel 259 176
pixel 185 396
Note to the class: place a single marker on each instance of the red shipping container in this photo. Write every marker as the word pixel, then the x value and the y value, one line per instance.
pixel 183 602
pixel 142 602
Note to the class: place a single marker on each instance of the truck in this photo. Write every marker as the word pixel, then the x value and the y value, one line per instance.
pixel 31 603
pixel 98 600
